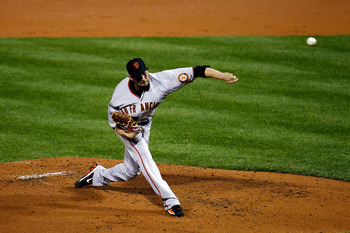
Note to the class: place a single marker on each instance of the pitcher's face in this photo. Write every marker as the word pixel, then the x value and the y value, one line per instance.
pixel 142 80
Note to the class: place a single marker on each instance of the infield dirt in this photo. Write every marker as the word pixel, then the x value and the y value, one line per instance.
pixel 214 200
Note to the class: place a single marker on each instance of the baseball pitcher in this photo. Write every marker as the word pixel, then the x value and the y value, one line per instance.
pixel 130 113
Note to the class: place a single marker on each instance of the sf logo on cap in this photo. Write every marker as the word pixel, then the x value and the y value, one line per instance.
pixel 136 65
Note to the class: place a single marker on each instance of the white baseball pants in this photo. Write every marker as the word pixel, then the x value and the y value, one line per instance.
pixel 137 159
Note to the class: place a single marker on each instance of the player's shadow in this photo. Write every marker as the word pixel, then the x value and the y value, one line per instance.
pixel 139 185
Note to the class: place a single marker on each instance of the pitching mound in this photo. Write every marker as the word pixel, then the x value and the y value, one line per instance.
pixel 39 196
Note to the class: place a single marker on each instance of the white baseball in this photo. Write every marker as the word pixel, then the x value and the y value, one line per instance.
pixel 311 41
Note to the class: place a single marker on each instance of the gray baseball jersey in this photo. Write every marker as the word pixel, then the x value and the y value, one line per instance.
pixel 142 108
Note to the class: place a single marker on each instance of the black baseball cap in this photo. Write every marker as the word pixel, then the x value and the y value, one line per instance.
pixel 136 67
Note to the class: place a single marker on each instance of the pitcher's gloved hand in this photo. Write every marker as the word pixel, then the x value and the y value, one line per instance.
pixel 125 122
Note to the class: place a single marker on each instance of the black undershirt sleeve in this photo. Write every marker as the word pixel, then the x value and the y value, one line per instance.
pixel 199 71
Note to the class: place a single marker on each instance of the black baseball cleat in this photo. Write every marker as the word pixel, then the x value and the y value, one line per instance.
pixel 176 211
pixel 87 179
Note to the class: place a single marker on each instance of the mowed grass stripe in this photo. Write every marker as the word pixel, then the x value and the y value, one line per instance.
pixel 288 112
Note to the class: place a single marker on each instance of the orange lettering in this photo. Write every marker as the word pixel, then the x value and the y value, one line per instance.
pixel 125 111
pixel 136 65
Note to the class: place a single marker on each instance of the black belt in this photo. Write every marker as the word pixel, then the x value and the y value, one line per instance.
pixel 143 122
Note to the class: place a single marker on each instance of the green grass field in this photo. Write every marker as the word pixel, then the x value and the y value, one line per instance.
pixel 288 113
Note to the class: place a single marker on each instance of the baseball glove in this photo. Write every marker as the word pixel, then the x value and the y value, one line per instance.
pixel 125 122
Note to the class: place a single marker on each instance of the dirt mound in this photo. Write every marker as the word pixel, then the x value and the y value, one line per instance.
pixel 39 196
